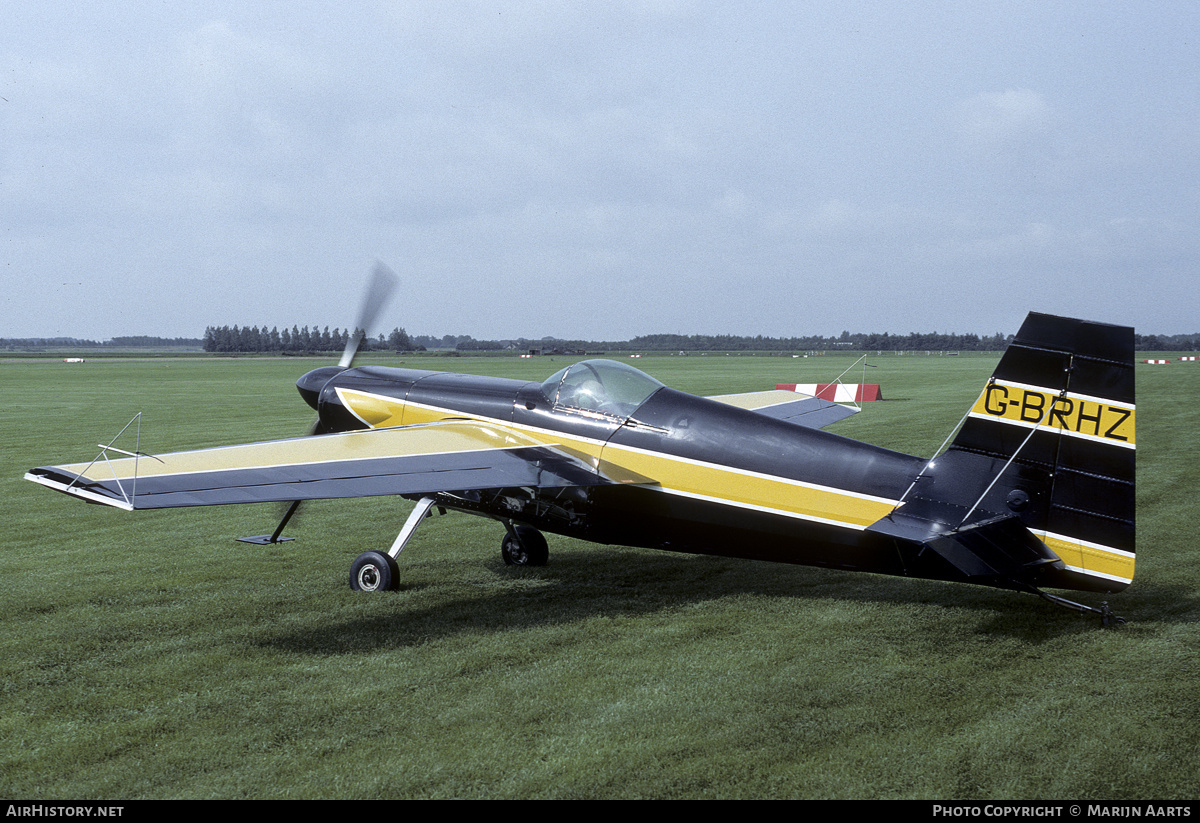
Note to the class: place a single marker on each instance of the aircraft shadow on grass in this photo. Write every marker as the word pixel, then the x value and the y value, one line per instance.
pixel 584 584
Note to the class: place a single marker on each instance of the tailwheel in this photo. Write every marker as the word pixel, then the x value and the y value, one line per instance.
pixel 374 572
pixel 1107 617
pixel 524 546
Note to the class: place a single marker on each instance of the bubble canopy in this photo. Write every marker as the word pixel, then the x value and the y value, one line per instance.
pixel 600 386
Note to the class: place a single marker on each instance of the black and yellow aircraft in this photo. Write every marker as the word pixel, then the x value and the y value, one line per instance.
pixel 1036 488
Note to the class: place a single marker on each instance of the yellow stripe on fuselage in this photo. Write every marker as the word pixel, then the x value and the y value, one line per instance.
pixel 677 475
pixel 375 410
pixel 1090 558
pixel 393 412
pixel 747 489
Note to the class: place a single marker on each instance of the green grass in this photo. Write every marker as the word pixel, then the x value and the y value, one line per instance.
pixel 149 655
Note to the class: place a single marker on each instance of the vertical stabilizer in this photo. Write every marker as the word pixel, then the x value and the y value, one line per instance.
pixel 1062 401
pixel 1050 443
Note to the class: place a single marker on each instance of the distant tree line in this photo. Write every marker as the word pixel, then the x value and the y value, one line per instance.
pixel 731 342
pixel 1169 342
pixel 860 341
pixel 252 339
pixel 138 341
pixel 846 340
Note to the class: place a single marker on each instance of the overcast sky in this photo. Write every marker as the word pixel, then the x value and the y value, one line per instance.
pixel 599 170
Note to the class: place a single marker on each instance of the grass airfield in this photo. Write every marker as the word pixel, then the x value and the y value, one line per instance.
pixel 149 655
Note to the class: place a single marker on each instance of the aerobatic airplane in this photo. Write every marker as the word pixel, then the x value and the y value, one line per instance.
pixel 1035 489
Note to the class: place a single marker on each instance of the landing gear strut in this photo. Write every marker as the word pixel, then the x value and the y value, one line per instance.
pixel 377 572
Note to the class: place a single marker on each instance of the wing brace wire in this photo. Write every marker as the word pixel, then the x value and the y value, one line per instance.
pixel 929 463
pixel 838 380
pixel 1037 425
pixel 1061 395
pixel 130 496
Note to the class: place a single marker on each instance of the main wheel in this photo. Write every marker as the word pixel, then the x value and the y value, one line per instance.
pixel 525 546
pixel 374 572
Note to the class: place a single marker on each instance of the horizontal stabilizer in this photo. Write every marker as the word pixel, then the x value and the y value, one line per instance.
pixel 989 551
pixel 810 412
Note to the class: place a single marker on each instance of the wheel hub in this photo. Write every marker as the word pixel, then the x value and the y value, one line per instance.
pixel 368 578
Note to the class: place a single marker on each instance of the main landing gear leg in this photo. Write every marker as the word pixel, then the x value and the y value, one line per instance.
pixel 376 571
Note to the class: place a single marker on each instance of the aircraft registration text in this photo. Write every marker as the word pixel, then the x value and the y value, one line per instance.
pixel 1095 418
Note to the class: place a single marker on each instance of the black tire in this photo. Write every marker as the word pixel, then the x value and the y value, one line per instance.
pixel 374 572
pixel 525 546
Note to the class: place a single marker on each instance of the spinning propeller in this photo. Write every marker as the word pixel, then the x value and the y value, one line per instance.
pixel 380 287
pixel 379 290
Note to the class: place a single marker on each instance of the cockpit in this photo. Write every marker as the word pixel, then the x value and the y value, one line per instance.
pixel 602 387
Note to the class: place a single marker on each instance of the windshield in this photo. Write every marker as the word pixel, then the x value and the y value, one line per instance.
pixel 602 386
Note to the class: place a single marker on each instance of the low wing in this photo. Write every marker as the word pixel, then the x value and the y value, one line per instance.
pixel 803 410
pixel 447 456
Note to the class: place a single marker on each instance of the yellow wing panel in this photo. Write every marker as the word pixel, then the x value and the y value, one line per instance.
pixel 450 456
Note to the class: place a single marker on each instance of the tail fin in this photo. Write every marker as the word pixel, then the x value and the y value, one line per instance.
pixel 1049 443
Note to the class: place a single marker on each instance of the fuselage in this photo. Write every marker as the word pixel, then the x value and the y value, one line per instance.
pixel 685 473
pixel 688 473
